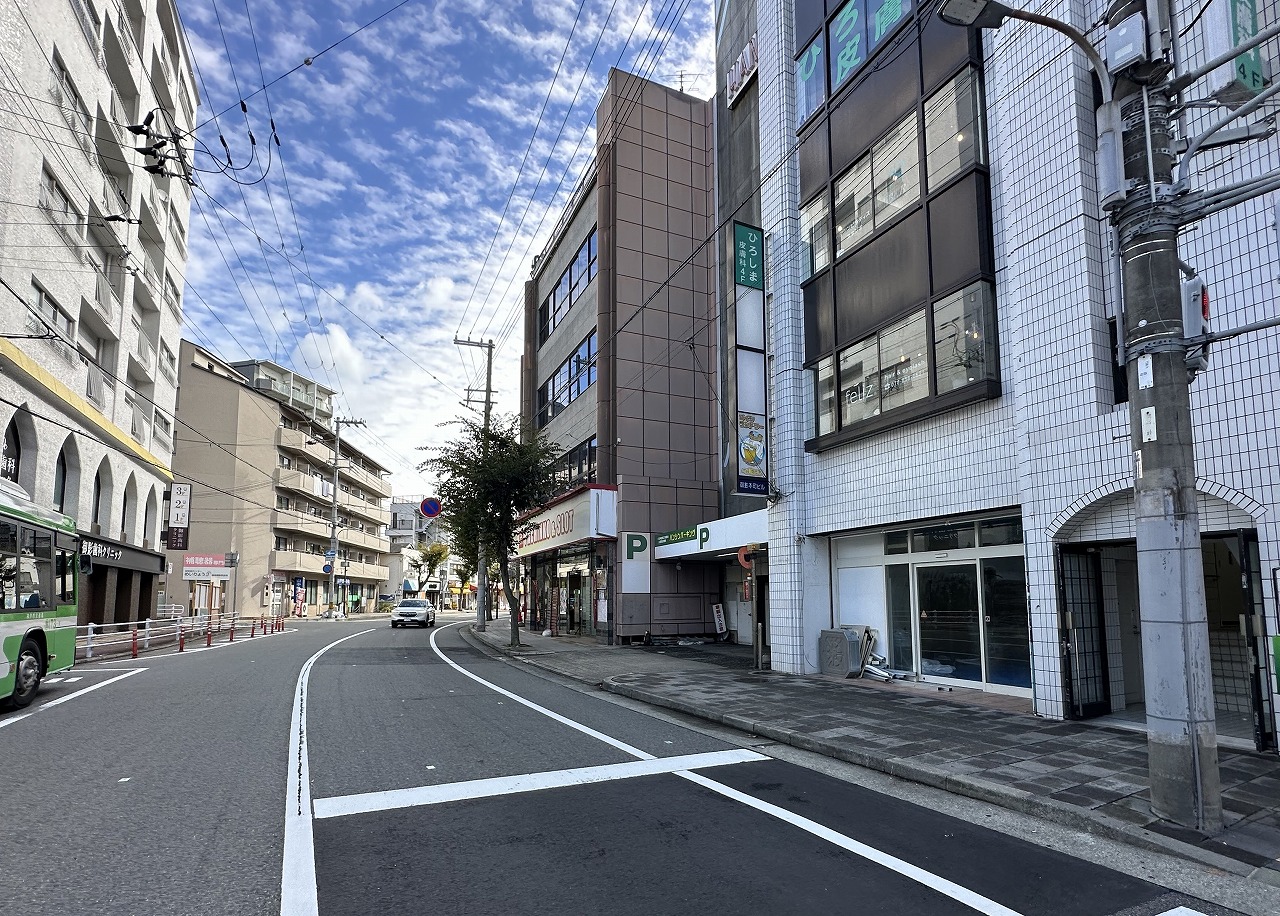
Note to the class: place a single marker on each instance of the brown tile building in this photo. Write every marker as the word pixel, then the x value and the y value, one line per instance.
pixel 619 369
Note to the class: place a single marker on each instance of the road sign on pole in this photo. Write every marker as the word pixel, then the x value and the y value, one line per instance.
pixel 430 507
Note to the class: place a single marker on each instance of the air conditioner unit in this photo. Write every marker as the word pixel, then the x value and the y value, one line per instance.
pixel 843 652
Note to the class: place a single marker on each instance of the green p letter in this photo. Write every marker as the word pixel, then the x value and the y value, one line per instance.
pixel 636 543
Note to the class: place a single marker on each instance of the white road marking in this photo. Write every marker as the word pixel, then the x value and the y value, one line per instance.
pixel 53 680
pixel 956 892
pixel 83 690
pixel 72 680
pixel 343 805
pixel 126 779
pixel 1181 911
pixel 12 719
pixel 941 885
pixel 298 894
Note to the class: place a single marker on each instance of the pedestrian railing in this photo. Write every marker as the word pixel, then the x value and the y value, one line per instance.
pixel 131 637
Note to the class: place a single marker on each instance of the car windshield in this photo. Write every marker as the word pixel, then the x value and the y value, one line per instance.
pixel 413 604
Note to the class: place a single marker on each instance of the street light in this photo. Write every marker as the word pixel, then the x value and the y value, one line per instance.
pixel 1181 730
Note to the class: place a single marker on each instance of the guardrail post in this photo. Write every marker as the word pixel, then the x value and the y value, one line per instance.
pixel 88 643
pixel 133 642
pixel 146 633
pixel 181 640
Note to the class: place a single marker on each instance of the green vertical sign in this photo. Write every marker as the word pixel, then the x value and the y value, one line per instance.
pixel 748 256
pixel 1275 651
pixel 1244 25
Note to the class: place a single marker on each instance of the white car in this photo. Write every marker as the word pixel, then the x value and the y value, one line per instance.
pixel 413 610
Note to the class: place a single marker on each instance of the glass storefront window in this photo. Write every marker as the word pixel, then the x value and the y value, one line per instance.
pixel 885 15
pixel 944 537
pixel 811 82
pixel 855 219
pixel 848 41
pixel 953 128
pixel 904 373
pixel 1004 598
pixel 826 396
pixel 897 580
pixel 998 532
pixel 897 542
pixel 964 338
pixel 815 236
pixel 859 369
pixel 950 628
pixel 895 164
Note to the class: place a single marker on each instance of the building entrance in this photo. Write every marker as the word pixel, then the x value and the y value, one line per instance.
pixel 1102 633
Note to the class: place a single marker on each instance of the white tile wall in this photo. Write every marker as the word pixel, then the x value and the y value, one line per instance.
pixel 1054 443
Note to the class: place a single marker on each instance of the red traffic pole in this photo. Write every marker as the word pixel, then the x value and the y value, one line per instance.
pixel 233 632
pixel 253 630
pixel 134 643
pixel 208 636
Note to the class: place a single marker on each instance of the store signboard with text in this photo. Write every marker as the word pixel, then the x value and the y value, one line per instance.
pixel 589 514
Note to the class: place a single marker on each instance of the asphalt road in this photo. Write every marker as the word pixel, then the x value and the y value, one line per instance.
pixel 402 771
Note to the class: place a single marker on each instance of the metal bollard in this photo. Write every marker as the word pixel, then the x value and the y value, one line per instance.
pixel 233 632
pixel 253 630
pixel 208 637
pixel 133 643
pixel 182 639
pixel 146 633
pixel 88 642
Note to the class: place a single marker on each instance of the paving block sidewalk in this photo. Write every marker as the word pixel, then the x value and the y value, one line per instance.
pixel 1086 776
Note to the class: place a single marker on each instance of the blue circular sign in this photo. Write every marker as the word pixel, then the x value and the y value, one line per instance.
pixel 328 567
pixel 430 507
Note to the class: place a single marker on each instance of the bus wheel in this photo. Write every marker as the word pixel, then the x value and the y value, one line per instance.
pixel 27 677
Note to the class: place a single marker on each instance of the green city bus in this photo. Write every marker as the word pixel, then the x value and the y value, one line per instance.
pixel 38 563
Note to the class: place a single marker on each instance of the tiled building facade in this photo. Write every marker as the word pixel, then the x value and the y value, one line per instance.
pixel 964 483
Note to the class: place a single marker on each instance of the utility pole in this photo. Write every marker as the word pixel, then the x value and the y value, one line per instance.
pixel 482 560
pixel 1148 208
pixel 333 510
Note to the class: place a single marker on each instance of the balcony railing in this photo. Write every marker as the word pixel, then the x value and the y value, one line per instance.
pixel 166 65
pixel 54 341
pixel 168 371
pixel 120 118
pixel 91 26
pixel 151 272
pixel 115 195
pixel 127 42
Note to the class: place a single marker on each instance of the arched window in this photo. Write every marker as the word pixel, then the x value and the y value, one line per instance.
pixel 125 507
pixel 11 460
pixel 60 483
pixel 96 508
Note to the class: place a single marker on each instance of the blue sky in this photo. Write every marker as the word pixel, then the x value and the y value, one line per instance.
pixel 422 163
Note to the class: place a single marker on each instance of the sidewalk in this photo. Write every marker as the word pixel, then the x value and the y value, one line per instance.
pixel 1085 776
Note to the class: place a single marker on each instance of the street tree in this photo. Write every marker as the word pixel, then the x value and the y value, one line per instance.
pixel 489 481
pixel 425 559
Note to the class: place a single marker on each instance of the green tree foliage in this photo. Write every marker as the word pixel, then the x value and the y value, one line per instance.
pixel 488 483
pixel 425 560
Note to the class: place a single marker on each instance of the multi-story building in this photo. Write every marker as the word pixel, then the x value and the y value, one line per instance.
pixel 619 369
pixel 949 430
pixel 92 256
pixel 261 457
pixel 410 528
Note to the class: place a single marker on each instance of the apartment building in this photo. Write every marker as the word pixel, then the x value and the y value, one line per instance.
pixel 619 371
pixel 949 427
pixel 259 450
pixel 93 247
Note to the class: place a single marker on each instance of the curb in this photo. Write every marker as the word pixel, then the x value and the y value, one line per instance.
pixel 959 784
pixel 955 783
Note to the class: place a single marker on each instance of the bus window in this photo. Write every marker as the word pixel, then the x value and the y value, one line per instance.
pixel 65 585
pixel 42 562
pixel 8 565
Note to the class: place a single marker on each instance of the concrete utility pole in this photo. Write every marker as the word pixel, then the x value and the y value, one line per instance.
pixel 1148 209
pixel 333 513
pixel 482 560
